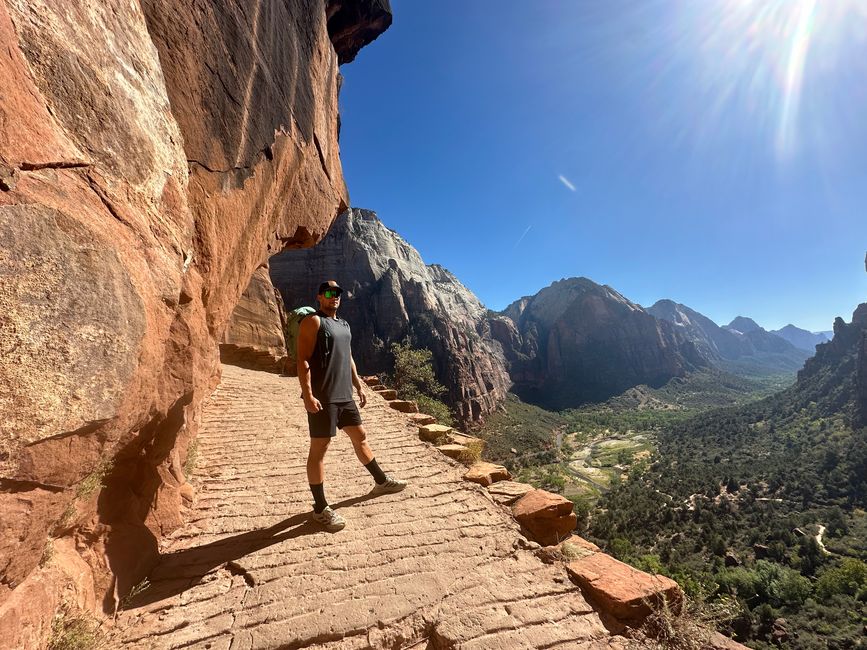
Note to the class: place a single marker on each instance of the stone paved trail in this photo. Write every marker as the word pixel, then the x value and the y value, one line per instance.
pixel 437 566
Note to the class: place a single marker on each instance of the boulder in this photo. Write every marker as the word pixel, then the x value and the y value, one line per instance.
pixel 466 441
pixel 434 432
pixel 371 380
pixel 387 394
pixel 453 451
pixel 621 590
pixel 547 517
pixel 486 473
pixel 421 419
pixel 507 492
pixel 403 406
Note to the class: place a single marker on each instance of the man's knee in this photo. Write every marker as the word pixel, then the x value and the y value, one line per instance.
pixel 318 447
pixel 357 434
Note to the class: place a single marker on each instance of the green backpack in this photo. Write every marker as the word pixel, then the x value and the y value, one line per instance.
pixel 293 322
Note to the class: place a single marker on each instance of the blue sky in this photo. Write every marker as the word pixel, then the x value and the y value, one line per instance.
pixel 710 152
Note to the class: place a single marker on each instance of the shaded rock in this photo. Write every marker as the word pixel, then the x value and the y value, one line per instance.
pixel 507 492
pixel 487 473
pixel 731 560
pixel 403 406
pixel 547 517
pixel 761 551
pixel 621 590
pixel 582 342
pixel 254 336
pixel 392 295
pixel 371 380
pixel 352 24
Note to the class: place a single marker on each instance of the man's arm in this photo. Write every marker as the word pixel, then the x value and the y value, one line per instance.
pixel 356 381
pixel 307 332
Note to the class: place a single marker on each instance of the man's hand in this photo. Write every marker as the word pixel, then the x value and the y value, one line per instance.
pixel 312 404
pixel 362 398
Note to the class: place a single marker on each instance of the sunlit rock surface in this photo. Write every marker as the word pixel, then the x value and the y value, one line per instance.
pixel 152 155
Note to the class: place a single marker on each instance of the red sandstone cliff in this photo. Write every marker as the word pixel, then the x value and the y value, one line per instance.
pixel 152 155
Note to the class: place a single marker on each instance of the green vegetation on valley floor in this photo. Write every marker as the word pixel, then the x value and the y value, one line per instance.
pixel 729 485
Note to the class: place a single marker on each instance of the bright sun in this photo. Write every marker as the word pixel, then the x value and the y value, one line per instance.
pixel 759 50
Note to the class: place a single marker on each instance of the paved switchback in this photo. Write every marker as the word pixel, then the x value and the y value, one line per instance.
pixel 437 566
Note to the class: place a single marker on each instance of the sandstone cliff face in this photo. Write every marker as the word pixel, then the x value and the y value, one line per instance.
pixel 254 336
pixel 392 294
pixel 584 342
pixel 152 156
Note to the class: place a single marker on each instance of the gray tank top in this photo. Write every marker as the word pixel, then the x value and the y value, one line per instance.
pixel 330 369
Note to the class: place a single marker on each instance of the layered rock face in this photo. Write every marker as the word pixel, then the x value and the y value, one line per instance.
pixel 152 156
pixel 584 342
pixel 254 336
pixel 391 294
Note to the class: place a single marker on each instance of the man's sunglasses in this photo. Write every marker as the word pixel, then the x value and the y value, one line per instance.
pixel 332 293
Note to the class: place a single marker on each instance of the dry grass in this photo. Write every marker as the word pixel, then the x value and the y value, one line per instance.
pixel 688 627
pixel 73 630
pixel 192 458
pixel 473 453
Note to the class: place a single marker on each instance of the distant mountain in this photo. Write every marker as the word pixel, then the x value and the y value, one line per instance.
pixel 743 325
pixel 391 294
pixel 742 347
pixel 714 342
pixel 801 338
pixel 578 341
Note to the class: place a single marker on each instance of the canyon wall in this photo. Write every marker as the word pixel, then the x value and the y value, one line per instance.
pixel 391 295
pixel 254 335
pixel 582 342
pixel 152 155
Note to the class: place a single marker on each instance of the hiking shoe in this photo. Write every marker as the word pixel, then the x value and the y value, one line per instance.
pixel 390 486
pixel 330 520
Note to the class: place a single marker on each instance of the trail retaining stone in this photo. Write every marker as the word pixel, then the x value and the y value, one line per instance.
pixel 623 591
pixel 547 517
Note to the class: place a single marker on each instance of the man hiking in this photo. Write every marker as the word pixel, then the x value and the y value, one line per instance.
pixel 327 374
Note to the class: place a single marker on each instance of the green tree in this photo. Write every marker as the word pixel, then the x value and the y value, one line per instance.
pixel 847 578
pixel 414 379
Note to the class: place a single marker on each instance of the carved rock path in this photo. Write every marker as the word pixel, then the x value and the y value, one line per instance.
pixel 437 566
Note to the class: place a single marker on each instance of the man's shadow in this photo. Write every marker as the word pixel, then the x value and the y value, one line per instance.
pixel 181 570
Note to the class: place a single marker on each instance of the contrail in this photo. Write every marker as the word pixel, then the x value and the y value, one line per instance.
pixel 522 237
pixel 566 182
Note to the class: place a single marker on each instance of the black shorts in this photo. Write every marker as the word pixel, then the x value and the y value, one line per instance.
pixel 332 417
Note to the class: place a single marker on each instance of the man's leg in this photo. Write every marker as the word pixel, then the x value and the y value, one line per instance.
pixel 365 455
pixel 359 442
pixel 316 471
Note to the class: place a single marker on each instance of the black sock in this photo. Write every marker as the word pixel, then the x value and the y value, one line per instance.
pixel 319 502
pixel 377 474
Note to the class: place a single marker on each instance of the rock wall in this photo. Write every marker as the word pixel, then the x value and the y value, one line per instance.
pixel 392 294
pixel 254 336
pixel 581 342
pixel 152 155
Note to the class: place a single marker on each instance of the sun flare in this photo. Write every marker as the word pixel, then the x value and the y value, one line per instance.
pixel 761 53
